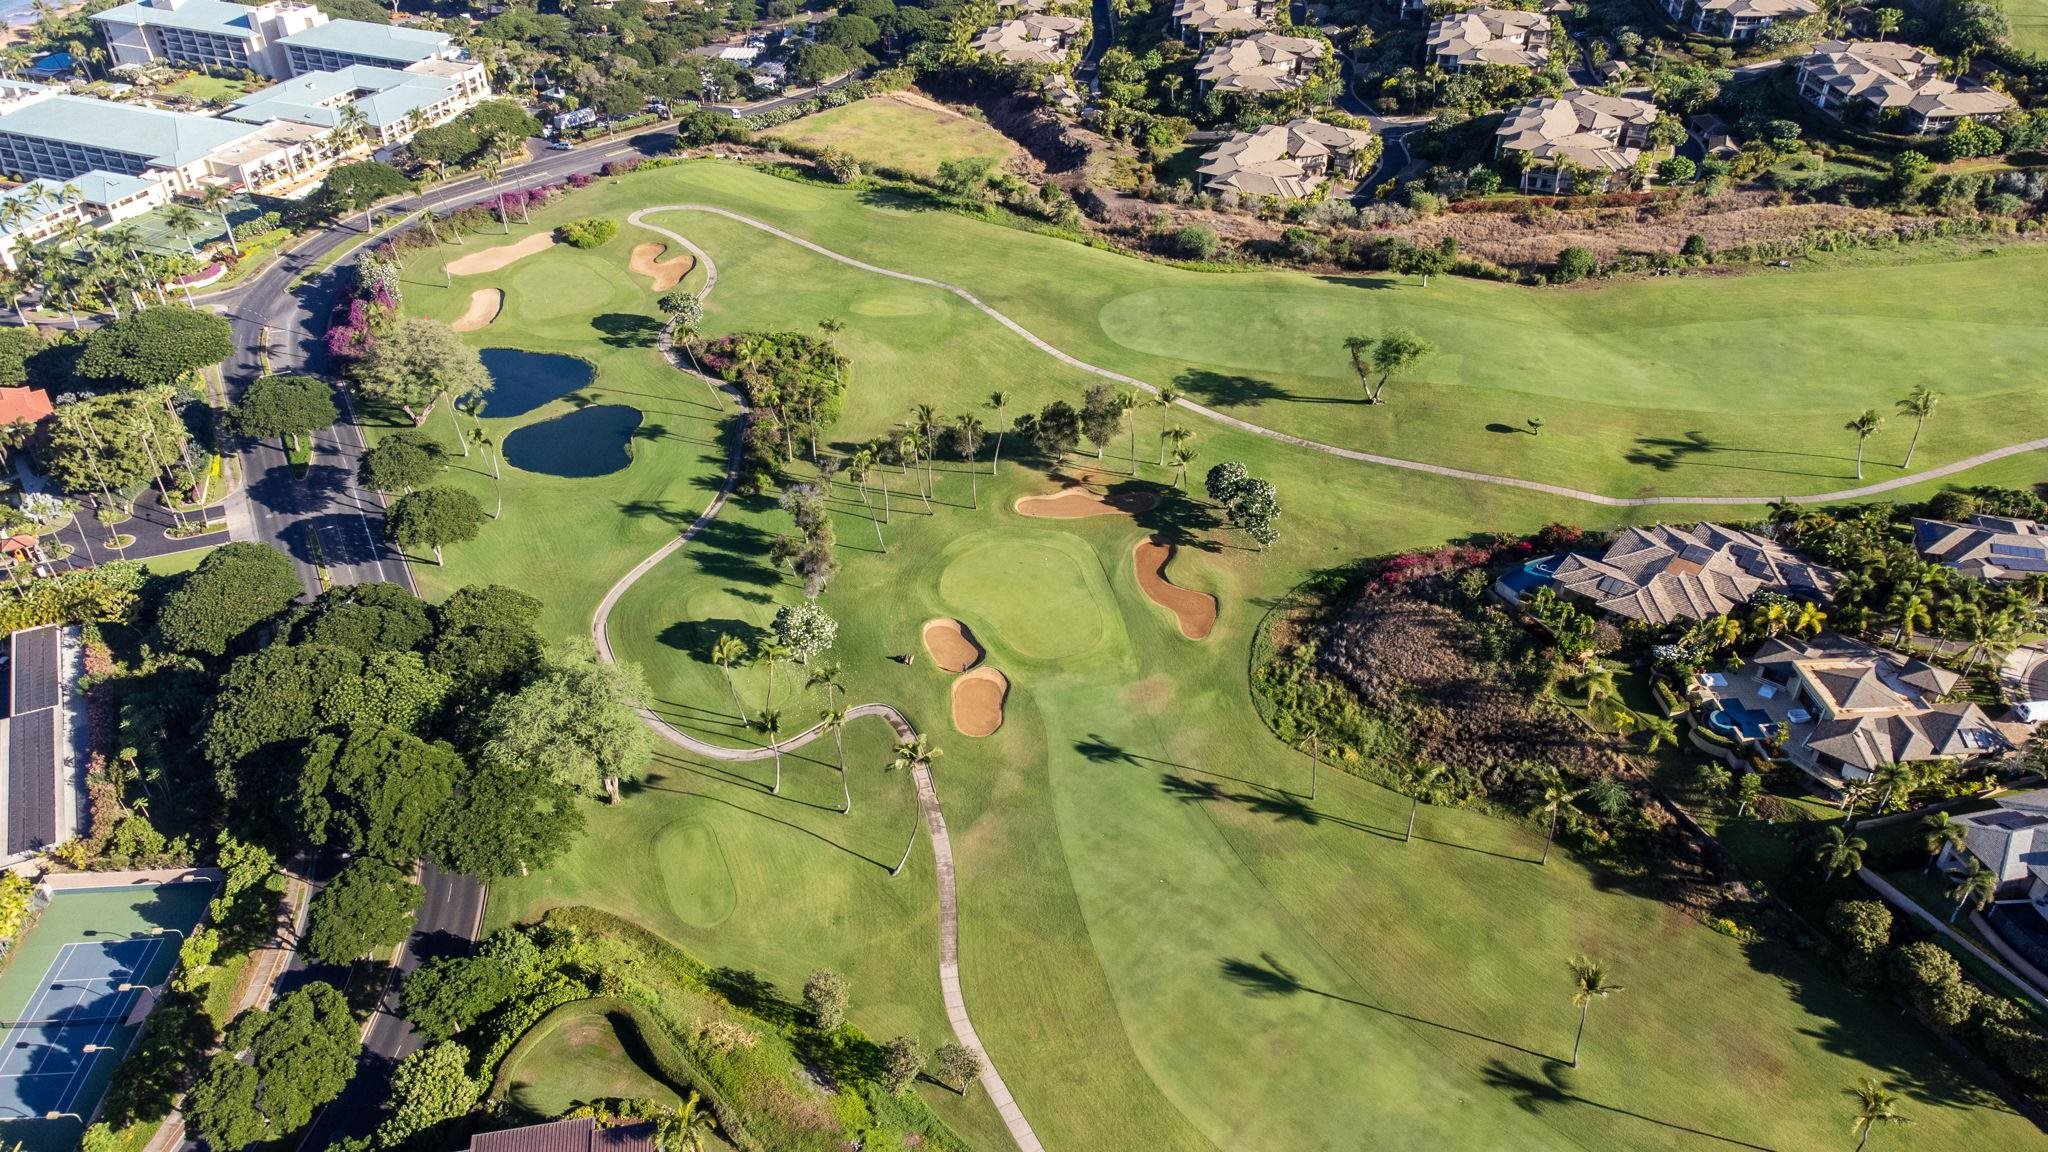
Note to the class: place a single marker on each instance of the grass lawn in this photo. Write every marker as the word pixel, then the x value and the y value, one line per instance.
pixel 1162 944
pixel 581 1060
pixel 2029 24
pixel 200 86
pixel 901 130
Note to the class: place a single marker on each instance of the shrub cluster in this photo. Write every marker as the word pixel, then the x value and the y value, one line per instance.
pixel 589 232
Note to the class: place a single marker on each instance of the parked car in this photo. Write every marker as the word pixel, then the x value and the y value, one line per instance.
pixel 560 146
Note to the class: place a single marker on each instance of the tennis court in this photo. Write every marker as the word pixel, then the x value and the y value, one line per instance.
pixel 73 996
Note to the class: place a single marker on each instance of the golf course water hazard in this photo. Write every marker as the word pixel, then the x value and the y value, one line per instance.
pixel 593 441
pixel 522 381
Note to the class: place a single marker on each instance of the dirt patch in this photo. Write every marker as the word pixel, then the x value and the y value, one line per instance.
pixel 484 306
pixel 952 646
pixel 1196 611
pixel 978 701
pixel 1075 503
pixel 666 274
pixel 503 256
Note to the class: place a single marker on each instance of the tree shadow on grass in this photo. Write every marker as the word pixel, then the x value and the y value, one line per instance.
pixel 626 329
pixel 1284 807
pixel 1537 1095
pixel 1180 520
pixel 1669 453
pixel 820 838
pixel 695 637
pixel 1222 390
pixel 1268 977
pixel 733 552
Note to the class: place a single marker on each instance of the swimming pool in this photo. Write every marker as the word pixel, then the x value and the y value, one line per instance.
pixel 1532 574
pixel 1735 719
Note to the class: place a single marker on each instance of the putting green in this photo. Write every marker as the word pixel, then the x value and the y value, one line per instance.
pixel 1032 594
pixel 698 881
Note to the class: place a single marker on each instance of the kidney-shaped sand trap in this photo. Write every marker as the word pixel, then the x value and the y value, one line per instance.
pixel 978 701
pixel 952 646
pixel 1075 503
pixel 484 306
pixel 665 274
pixel 503 256
pixel 1196 611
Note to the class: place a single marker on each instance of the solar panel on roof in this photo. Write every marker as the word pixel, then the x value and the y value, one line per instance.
pixel 2024 551
pixel 35 669
pixel 32 781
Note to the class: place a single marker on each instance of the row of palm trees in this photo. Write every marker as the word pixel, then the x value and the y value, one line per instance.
pixel 1919 404
pixel 111 270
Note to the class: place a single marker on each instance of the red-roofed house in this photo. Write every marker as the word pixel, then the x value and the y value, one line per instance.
pixel 31 405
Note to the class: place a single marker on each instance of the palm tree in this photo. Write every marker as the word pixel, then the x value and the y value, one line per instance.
pixel 825 674
pixel 1418 778
pixel 770 652
pixel 926 419
pixel 215 199
pixel 1875 1104
pixel 1555 796
pixel 770 723
pixel 685 1129
pixel 1182 457
pixel 1165 399
pixel 1939 833
pixel 1660 732
pixel 1808 619
pixel 1974 888
pixel 912 754
pixel 1886 21
pixel 998 401
pixel 183 222
pixel 481 437
pixel 1863 426
pixel 1840 853
pixel 834 721
pixel 1590 982
pixel 1898 780
pixel 1919 404
pixel 1908 610
pixel 726 651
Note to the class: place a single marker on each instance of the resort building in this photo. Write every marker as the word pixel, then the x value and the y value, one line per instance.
pixel 1879 76
pixel 394 104
pixel 1206 18
pixel 1033 38
pixel 1845 708
pixel 1582 131
pixel 1988 547
pixel 205 33
pixel 338 44
pixel 1262 62
pixel 1489 36
pixel 1736 19
pixel 1289 161
pixel 2012 842
pixel 1663 574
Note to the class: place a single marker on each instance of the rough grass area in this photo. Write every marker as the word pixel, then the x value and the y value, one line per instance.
pixel 581 1059
pixel 901 130
pixel 1224 965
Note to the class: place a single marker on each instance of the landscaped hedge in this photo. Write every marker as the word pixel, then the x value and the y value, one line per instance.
pixel 587 233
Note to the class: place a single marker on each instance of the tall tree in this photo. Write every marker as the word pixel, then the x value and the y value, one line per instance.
pixel 376 792
pixel 434 517
pixel 368 906
pixel 1102 417
pixel 1590 982
pixel 156 348
pixel 275 1069
pixel 1939 834
pixel 405 460
pixel 1875 1105
pixel 1165 399
pixel 580 718
pixel 1920 402
pixel 286 407
pixel 834 720
pixel 770 724
pixel 1974 888
pixel 417 361
pixel 1839 853
pixel 1557 795
pixel 1863 426
pixel 238 586
pixel 998 401
pixel 726 651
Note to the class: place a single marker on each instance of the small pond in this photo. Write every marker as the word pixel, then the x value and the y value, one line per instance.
pixel 522 381
pixel 590 441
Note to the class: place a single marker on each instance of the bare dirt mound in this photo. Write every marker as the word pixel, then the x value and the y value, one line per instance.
pixel 952 646
pixel 484 306
pixel 666 274
pixel 1196 611
pixel 978 701
pixel 1075 503
pixel 503 256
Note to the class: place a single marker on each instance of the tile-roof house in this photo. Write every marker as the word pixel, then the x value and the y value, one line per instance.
pixel 1988 547
pixel 1206 18
pixel 1881 75
pixel 2012 841
pixel 1262 62
pixel 1489 36
pixel 1033 38
pixel 1663 573
pixel 1585 130
pixel 1853 708
pixel 567 1136
pixel 1289 160
pixel 1737 19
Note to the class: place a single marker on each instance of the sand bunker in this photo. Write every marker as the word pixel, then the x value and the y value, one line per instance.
pixel 503 256
pixel 666 274
pixel 952 646
pixel 1075 503
pixel 1196 611
pixel 484 305
pixel 978 701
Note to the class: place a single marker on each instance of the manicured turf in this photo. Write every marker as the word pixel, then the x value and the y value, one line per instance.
pixel 900 131
pixel 581 1060
pixel 2029 25
pixel 1162 946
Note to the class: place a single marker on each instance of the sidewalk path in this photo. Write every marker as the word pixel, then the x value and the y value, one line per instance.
pixel 639 219
pixel 927 792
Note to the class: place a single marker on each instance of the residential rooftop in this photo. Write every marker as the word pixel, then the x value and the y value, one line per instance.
pixel 1033 38
pixel 220 17
pixel 1988 547
pixel 1581 127
pixel 1491 36
pixel 385 96
pixel 1287 160
pixel 1891 75
pixel 1222 17
pixel 1661 574
pixel 1261 62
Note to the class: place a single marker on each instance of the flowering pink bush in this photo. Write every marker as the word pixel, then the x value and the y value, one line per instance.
pixel 580 179
pixel 1408 567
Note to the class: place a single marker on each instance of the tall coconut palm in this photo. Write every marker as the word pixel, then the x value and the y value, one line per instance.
pixel 1863 426
pixel 771 652
pixel 1974 888
pixel 825 674
pixel 1897 780
pixel 1166 398
pixel 1126 403
pixel 1910 610
pixel 998 401
pixel 770 724
pixel 834 720
pixel 1418 779
pixel 1659 732
pixel 912 755
pixel 726 651
pixel 183 223
pixel 1556 796
pixel 925 418
pixel 1919 404
pixel 1938 833
pixel 1875 1105
pixel 481 437
pixel 1808 619
pixel 685 1129
pixel 1839 853
pixel 216 199
pixel 1182 457
pixel 1590 982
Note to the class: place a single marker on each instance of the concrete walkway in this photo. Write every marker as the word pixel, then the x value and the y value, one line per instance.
pixel 927 792
pixel 638 219
pixel 1908 905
